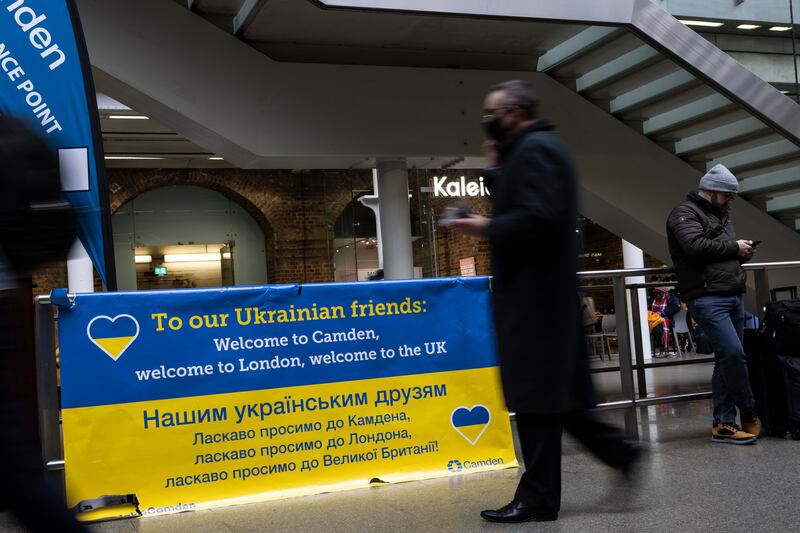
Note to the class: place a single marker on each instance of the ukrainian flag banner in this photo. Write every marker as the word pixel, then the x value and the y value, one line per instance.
pixel 180 400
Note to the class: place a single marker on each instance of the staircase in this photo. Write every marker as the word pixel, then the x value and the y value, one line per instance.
pixel 691 99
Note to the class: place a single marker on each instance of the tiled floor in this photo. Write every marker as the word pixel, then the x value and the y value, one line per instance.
pixel 687 484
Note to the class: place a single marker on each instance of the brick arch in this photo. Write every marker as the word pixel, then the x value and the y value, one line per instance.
pixel 339 191
pixel 124 187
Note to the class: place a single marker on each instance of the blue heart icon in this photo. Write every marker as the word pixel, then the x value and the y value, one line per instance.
pixel 471 422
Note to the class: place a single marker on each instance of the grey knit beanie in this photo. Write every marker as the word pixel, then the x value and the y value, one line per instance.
pixel 719 179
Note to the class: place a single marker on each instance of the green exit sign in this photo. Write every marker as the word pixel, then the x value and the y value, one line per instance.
pixel 160 271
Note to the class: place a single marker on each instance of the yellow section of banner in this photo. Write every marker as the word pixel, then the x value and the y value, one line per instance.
pixel 114 346
pixel 208 451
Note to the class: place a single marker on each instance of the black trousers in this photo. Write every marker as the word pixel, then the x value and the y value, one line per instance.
pixel 540 439
pixel 23 487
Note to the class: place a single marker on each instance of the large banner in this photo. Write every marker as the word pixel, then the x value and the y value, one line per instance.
pixel 46 81
pixel 199 398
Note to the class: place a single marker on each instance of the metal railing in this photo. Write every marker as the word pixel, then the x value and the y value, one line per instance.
pixel 629 347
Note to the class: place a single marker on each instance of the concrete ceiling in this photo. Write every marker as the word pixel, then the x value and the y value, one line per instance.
pixel 299 31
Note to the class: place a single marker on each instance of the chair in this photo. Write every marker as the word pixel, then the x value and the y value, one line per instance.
pixel 608 325
pixel 592 339
pixel 680 325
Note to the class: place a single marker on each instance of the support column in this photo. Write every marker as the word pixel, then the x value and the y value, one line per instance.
pixel 80 272
pixel 371 201
pixel 633 257
pixel 395 219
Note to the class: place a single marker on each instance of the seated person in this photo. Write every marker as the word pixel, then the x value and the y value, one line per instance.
pixel 656 323
pixel 666 305
pixel 590 315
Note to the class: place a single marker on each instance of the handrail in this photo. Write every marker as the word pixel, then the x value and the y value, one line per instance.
pixel 772 266
pixel 654 271
pixel 625 272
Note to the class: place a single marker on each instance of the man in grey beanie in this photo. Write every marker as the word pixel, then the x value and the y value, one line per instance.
pixel 708 262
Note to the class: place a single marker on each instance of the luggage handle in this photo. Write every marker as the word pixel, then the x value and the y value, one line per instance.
pixel 792 290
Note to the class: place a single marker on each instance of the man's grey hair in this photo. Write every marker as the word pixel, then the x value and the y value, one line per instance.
pixel 519 93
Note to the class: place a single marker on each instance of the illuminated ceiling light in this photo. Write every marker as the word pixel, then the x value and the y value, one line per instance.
pixel 143 259
pixel 748 26
pixel 216 158
pixel 704 23
pixel 130 157
pixel 780 28
pixel 128 117
pixel 185 258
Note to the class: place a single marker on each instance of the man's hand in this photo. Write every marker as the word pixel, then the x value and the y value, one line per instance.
pixel 473 225
pixel 745 250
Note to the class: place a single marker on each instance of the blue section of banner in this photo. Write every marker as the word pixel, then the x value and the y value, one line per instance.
pixel 467 417
pixel 43 83
pixel 106 329
pixel 136 346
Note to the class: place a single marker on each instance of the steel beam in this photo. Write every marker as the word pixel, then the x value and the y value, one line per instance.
pixel 653 91
pixel 246 15
pixel 719 137
pixel 577 47
pixel 709 106
pixel 771 181
pixel 618 68
pixel 759 156
pixel 787 202
pixel 574 11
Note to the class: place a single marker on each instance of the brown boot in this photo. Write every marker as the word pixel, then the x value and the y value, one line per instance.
pixel 731 434
pixel 751 423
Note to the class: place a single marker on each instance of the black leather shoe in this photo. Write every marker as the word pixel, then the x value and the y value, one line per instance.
pixel 630 470
pixel 516 511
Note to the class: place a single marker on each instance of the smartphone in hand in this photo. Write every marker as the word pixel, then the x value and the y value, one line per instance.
pixel 456 210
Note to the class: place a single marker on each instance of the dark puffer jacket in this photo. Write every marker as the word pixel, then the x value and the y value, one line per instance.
pixel 704 251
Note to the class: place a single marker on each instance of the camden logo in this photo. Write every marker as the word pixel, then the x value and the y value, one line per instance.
pixel 113 335
pixel 455 465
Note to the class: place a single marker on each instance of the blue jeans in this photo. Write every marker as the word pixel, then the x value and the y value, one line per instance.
pixel 722 320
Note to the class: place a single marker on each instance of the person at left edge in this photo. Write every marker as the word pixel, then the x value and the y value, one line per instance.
pixel 534 256
pixel 37 225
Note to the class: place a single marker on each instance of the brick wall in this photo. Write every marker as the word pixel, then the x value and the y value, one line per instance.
pixel 49 277
pixel 297 212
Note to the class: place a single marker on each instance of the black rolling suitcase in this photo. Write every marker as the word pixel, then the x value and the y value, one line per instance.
pixel 779 364
pixel 790 367
pixel 767 384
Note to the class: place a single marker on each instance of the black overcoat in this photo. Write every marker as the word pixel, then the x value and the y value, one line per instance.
pixel 534 247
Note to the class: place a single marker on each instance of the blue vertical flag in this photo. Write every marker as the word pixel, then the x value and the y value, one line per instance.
pixel 45 79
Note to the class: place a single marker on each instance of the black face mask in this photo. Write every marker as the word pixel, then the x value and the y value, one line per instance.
pixel 493 129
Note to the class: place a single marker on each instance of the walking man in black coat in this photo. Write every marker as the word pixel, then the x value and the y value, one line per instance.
pixel 543 362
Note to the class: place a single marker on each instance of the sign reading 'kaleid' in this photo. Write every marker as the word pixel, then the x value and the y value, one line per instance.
pixel 449 187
